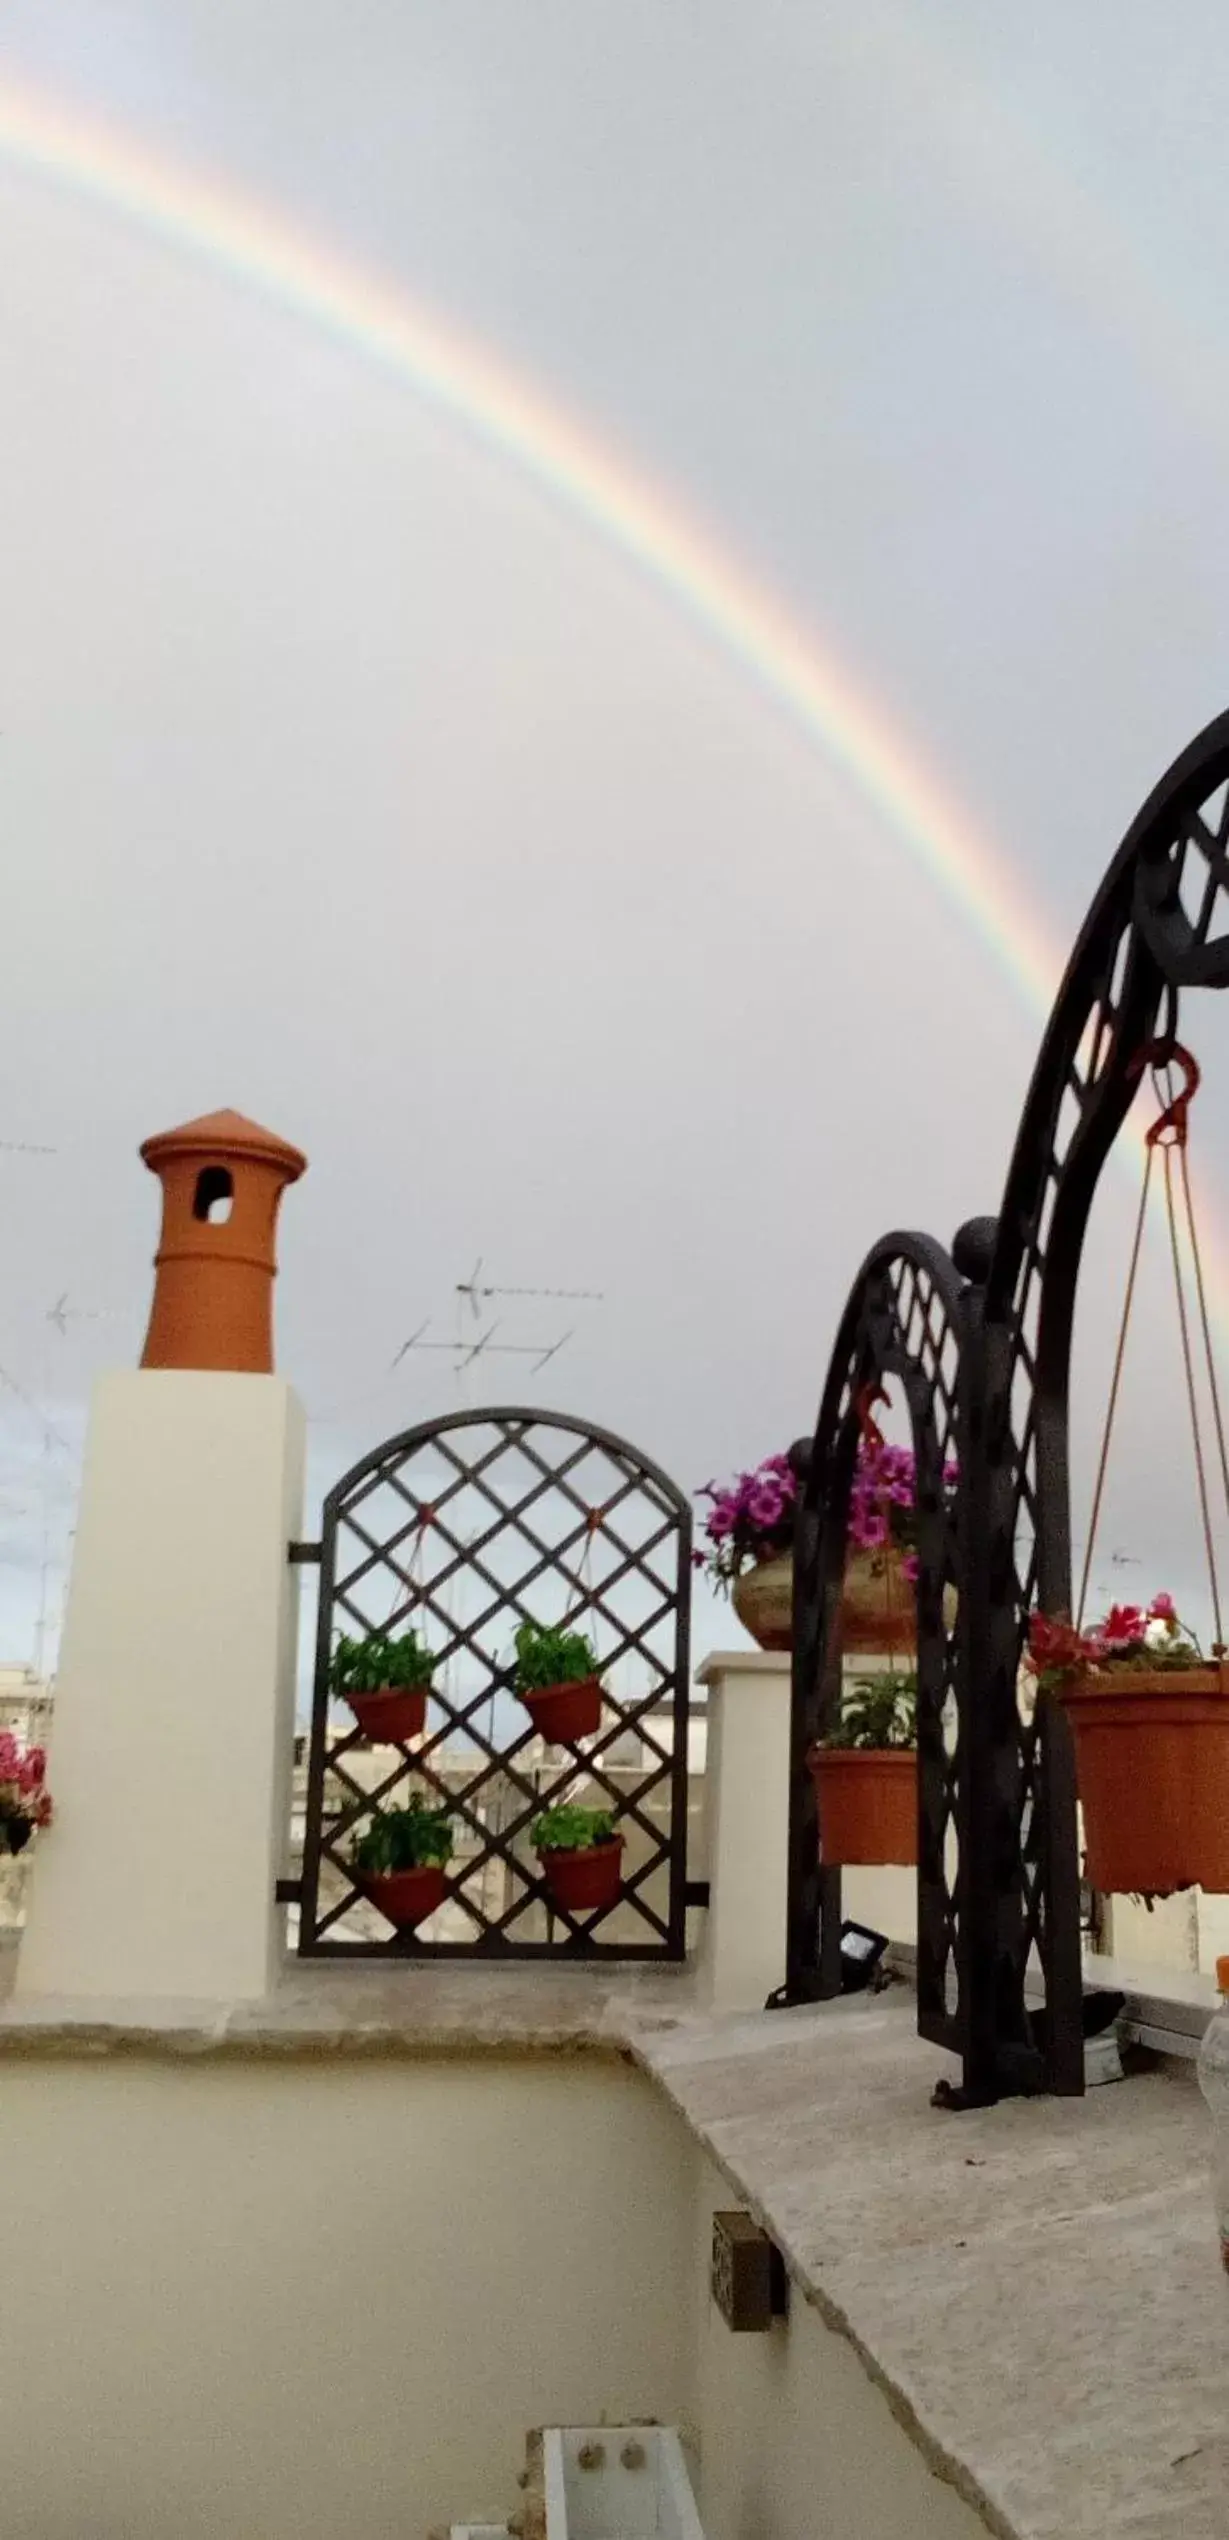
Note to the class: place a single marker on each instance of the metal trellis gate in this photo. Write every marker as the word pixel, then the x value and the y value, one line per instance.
pixel 999 1973
pixel 464 1528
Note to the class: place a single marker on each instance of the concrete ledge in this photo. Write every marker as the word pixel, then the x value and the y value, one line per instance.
pixel 423 2010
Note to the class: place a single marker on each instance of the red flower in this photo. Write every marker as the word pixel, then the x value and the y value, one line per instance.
pixel 1123 1627
pixel 1054 1645
pixel 1163 1608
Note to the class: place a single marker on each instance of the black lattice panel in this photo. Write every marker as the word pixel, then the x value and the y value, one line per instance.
pixel 464 1529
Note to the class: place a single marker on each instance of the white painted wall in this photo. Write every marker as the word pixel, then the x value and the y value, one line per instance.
pixel 791 2438
pixel 172 1742
pixel 301 2297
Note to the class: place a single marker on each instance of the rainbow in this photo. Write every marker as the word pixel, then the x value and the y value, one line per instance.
pixel 249 243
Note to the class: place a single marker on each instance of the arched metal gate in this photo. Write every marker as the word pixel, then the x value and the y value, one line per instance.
pixel 999 1915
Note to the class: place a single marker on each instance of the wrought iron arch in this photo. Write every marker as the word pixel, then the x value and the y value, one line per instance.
pixel 905 1318
pixel 465 1526
pixel 1159 923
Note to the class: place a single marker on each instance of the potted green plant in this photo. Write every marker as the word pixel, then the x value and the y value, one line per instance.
pixel 581 1857
pixel 386 1682
pixel 557 1680
pixel 865 1773
pixel 401 1861
pixel 1150 1718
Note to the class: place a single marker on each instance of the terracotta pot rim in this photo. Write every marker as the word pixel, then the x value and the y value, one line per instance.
pixel 385 1693
pixel 821 1755
pixel 580 1851
pixel 412 1870
pixel 562 1684
pixel 1124 1684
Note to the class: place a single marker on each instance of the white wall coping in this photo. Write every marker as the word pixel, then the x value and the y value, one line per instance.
pixel 742 1662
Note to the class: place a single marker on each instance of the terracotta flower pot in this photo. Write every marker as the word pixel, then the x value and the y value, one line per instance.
pixel 867 1800
pixel 392 1715
pixel 763 1599
pixel 878 1606
pixel 562 1713
pixel 1152 1766
pixel 405 1897
pixel 585 1882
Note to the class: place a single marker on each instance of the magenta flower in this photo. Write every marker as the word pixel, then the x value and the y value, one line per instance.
pixel 751 1519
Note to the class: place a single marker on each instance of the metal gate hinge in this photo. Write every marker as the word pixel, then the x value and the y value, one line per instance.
pixel 304 1553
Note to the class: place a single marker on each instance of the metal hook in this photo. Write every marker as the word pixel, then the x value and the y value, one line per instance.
pixel 863 1402
pixel 1171 1127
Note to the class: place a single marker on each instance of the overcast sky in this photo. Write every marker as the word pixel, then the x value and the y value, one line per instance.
pixel 348 779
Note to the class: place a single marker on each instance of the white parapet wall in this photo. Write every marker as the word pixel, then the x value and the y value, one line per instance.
pixel 302 2297
pixel 742 1949
pixel 172 1745
pixel 297 2294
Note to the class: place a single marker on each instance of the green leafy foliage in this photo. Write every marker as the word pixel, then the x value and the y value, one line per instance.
pixel 368 1666
pixel 571 1829
pixel 411 1838
pixel 552 1655
pixel 877 1711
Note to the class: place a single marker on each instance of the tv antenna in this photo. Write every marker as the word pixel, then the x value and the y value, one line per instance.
pixel 476 1291
pixel 62 1314
pixel 464 1352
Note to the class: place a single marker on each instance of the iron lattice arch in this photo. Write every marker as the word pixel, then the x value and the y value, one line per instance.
pixel 463 1529
pixel 903 1320
pixel 1159 923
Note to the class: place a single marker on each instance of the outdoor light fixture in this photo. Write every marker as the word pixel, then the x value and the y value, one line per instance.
pixel 861 1951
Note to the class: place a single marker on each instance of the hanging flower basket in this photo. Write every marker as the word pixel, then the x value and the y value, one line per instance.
pixel 750 1531
pixel 581 1857
pixel 391 1716
pixel 867 1803
pixel 1149 1717
pixel 865 1775
pixel 1152 1768
pixel 763 1599
pixel 1150 1722
pixel 405 1897
pixel 401 1862
pixel 558 1682
pixel 879 1604
pixel 385 1682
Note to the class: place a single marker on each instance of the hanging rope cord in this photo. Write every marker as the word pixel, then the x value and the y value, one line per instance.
pixel 1169 1137
pixel 583 1580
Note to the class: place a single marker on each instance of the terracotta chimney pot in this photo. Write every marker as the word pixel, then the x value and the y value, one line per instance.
pixel 222 1181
